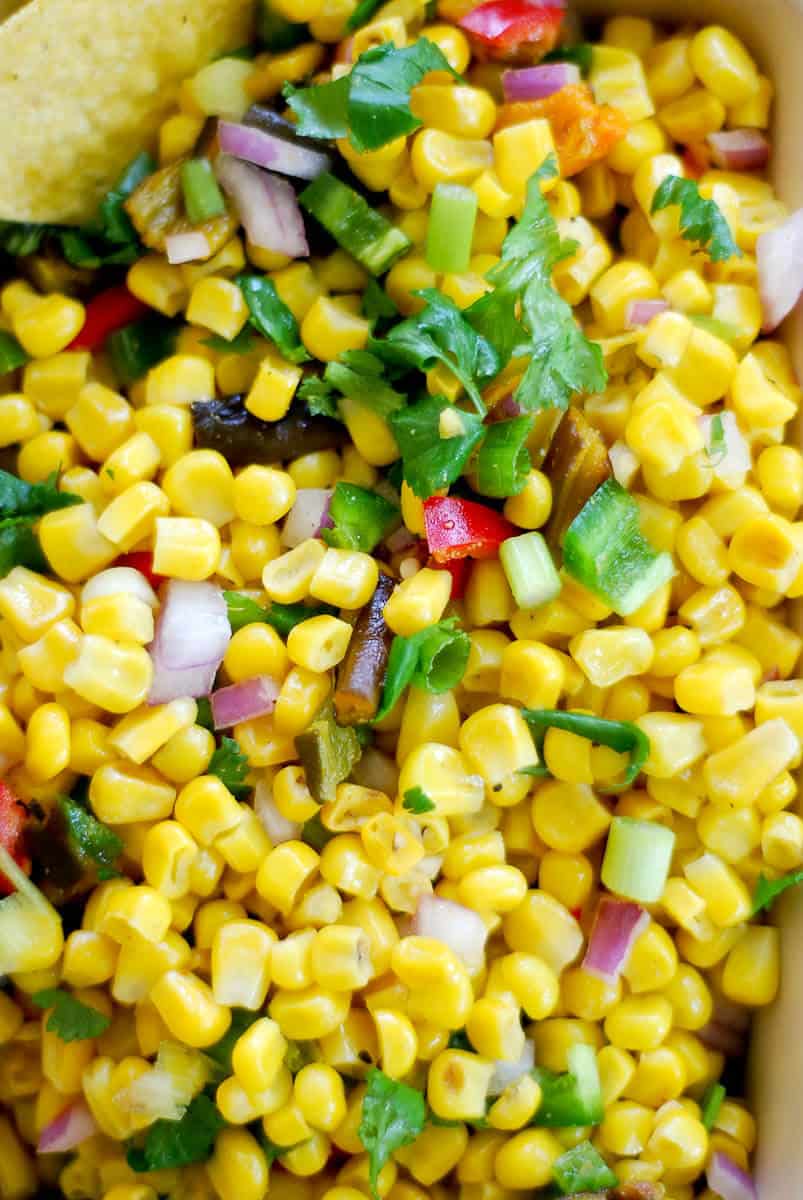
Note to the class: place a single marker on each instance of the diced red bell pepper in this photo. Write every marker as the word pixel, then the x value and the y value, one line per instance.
pixel 514 30
pixel 142 561
pixel 463 529
pixel 106 312
pixel 458 569
pixel 13 819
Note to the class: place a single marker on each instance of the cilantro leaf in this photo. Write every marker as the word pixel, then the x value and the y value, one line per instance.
pixel 393 1115
pixel 91 842
pixel 21 499
pixel 242 343
pixel 12 354
pixel 563 360
pixel 416 800
pixel 220 1052
pixel 433 659
pixel 701 221
pixel 179 1143
pixel 372 103
pixel 319 397
pixel 535 235
pixel 431 462
pixel 441 333
pixel 231 766
pixel 19 546
pixel 768 890
pixel 359 376
pixel 361 518
pixel 718 446
pixel 271 316
pixel 71 1020
pixel 376 303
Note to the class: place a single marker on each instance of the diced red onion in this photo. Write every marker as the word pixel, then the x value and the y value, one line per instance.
pixel 535 83
pixel 267 207
pixel 187 247
pixel 739 149
pixel 266 150
pixel 243 701
pixel 721 1038
pixel 277 827
pixel 617 925
pixel 641 312
pixel 192 633
pixel 727 1179
pixel 779 253
pixel 458 927
pixel 506 1073
pixel 305 518
pixel 69 1129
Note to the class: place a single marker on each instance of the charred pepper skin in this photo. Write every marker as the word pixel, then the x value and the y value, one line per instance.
pixel 362 672
pixel 227 426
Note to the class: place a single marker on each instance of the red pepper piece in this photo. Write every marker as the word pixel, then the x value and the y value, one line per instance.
pixel 106 312
pixel 13 819
pixel 462 528
pixel 514 30
pixel 458 569
pixel 142 561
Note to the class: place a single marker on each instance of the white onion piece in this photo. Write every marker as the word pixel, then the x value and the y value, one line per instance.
pixel 458 927
pixel 267 207
pixel 303 521
pixel 244 701
pixel 731 468
pixel 187 247
pixel 617 925
pixel 727 1179
pixel 69 1129
pixel 779 254
pixel 641 312
pixel 192 633
pixel 153 1097
pixel 116 581
pixel 739 149
pixel 277 827
pixel 267 150
pixel 430 865
pixel 506 1073
pixel 535 83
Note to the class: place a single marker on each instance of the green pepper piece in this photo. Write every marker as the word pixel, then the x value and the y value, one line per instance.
pixel 328 752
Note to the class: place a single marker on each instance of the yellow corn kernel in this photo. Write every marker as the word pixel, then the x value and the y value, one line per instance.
pixel 161 286
pixel 301 695
pixel 418 602
pixel 240 967
pixel 340 958
pixel 346 867
pixel 319 643
pixel 639 1022
pixel 526 1159
pixel 18 419
pixel 543 927
pixel 219 305
pixel 440 157
pixel 47 452
pixel 320 1097
pixel 739 773
pixel 258 1055
pixel 766 553
pixel 457 1084
pixel 284 872
pixel 33 604
pixel 168 853
pixel 287 579
pixel 100 420
pixel 669 69
pixel 727 899
pixel 345 578
pixel 370 433
pixel 53 384
pixel 568 817
pixel 206 807
pixel 643 140
pixel 617 78
pixel 170 429
pixel 185 548
pixel 467 112
pixel 140 734
pixel 398 1042
pixel 272 391
pixel 496 742
pixel 48 742
pixel 757 400
pixel 46 325
pixel 180 379
pixel 715 614
pixel 519 150
pixel 329 328
pixel 136 914
pixel 121 792
pixel 114 675
pixel 712 687
pixel 263 495
pixel 201 485
pixel 723 65
pixel 186 1005
pixel 136 460
pixel 73 543
pixel 613 291
pixel 751 973
pixel 185 754
pixel 311 1012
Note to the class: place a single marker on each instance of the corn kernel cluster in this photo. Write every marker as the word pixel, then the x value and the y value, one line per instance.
pixel 214 914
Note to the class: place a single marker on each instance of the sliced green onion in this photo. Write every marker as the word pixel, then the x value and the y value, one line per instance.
pixel 361 230
pixel 574 1098
pixel 203 198
pixel 637 859
pixel 504 460
pixel 582 1169
pixel 450 232
pixel 711 1104
pixel 529 570
pixel 12 354
pixel 621 736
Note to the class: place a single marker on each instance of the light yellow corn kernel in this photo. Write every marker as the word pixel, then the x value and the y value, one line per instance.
pixel 100 420
pixel 201 485
pixel 186 1005
pixel 457 1084
pixel 728 901
pixel 46 325
pixel 240 967
pixel 170 429
pixel 723 65
pixel 136 460
pixel 766 553
pixel 114 675
pixel 287 579
pixel 542 926
pixel 206 807
pixel 263 495
pixel 50 451
pixel 53 384
pixel 740 772
pixel 519 150
pixel 418 602
pixel 185 548
pixel 345 578
pixel 48 742
pixel 158 284
pixel 218 304
pixel 73 543
pixel 311 1012
pixel 616 288
pixel 284 872
pixel 185 754
pixel 568 817
pixel 440 157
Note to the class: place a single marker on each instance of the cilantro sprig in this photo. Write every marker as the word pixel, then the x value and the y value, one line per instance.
pixel 417 801
pixel 434 659
pixel 357 375
pixel 701 220
pixel 21 505
pixel 768 890
pixel 430 461
pixel 393 1115
pixel 231 766
pixel 179 1143
pixel 70 1019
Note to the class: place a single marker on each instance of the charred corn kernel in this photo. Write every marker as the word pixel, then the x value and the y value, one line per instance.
pixel 726 897
pixel 51 451
pixel 241 954
pixel 272 391
pixel 185 548
pixel 168 853
pixel 340 958
pixel 616 288
pixel 757 401
pixel 370 433
pixel 467 112
pixel 158 284
pixel 713 688
pixel 723 65
pixel 345 578
pixel 438 714
pixel 170 429
pixel 284 872
pixel 287 579
pixel 201 485
pixel 418 602
pixel 525 1161
pixel 121 792
pixel 751 973
pixel 188 1008
pixel 398 1042
pixel 114 675
pixel 541 926
pixel 439 157
pixel 329 328
pixel 48 742
pixel 519 150
pixel 263 495
pixel 739 773
pixel 319 643
pixel 139 735
pixel 484 667
pixel 185 754
pixel 568 816
pixel 219 305
pixel 206 807
pixel 73 543
pixel 311 1012
pixel 457 1084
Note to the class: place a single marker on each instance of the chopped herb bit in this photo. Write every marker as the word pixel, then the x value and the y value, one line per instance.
pixel 91 842
pixel 563 360
pixel 179 1143
pixel 12 354
pixel 362 14
pixel 203 717
pixel 434 659
pixel 71 1020
pixel 701 221
pixel 298 1055
pixel 430 461
pixel 271 316
pixel 242 343
pixel 270 1149
pixel 504 460
pixel 718 446
pixel 376 303
pixel 19 547
pixel 581 54
pixel 242 610
pixel 361 518
pixel 320 397
pixel 231 766
pixel 416 800
pixel 573 1098
pixel 221 1052
pixel 393 1115
pixel 359 375
pixel 137 347
pixel 768 890
pixel 711 1104
pixel 21 504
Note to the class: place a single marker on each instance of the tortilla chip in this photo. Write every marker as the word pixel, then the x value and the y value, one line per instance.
pixel 84 85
